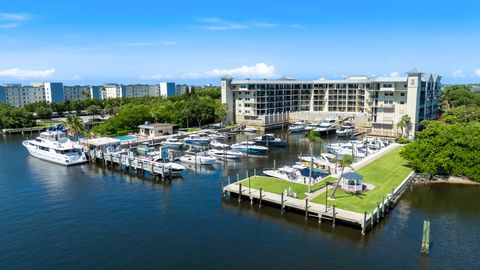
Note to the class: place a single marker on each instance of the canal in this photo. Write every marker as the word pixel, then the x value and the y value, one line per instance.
pixel 89 217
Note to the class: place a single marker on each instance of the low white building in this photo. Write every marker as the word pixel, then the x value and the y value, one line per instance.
pixel 352 182
pixel 153 130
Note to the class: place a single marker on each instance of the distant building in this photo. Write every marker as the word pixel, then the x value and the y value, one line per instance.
pixel 78 92
pixel 17 95
pixel 181 89
pixel 163 89
pixel 167 89
pixel 381 100
pixel 111 90
pixel 156 129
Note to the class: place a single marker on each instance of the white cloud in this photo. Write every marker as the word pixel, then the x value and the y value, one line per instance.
pixel 458 74
pixel 218 24
pixel 11 20
pixel 26 74
pixel 147 44
pixel 477 72
pixel 395 74
pixel 76 77
pixel 259 70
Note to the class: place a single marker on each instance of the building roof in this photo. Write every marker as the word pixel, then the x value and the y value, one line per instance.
pixel 156 125
pixel 353 176
pixel 351 79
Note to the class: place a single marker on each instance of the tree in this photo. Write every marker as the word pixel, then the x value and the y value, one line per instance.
pixel 14 117
pixel 93 109
pixel 43 111
pixel 404 124
pixel 313 137
pixel 346 161
pixel 76 126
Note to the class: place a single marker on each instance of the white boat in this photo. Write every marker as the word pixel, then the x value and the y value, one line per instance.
pixel 297 128
pixel 223 151
pixel 197 139
pixel 53 145
pixel 322 160
pixel 297 173
pixel 250 147
pixel 159 161
pixel 172 143
pixel 250 130
pixel 312 126
pixel 347 149
pixel 198 158
pixel 344 132
pixel 327 126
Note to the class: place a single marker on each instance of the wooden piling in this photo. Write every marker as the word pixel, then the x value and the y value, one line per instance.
pixel 306 209
pixel 364 225
pixel 223 192
pixel 334 216
pixel 383 206
pixel 260 199
pixel 282 207
pixel 240 193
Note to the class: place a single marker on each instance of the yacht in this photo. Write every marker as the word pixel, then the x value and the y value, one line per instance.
pixel 327 126
pixel 313 126
pixel 250 147
pixel 197 139
pixel 250 130
pixel 223 151
pixel 176 168
pixel 53 145
pixel 199 158
pixel 352 149
pixel 270 140
pixel 344 132
pixel 297 173
pixel 172 143
pixel 297 128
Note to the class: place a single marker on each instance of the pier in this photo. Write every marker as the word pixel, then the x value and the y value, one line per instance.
pixel 126 163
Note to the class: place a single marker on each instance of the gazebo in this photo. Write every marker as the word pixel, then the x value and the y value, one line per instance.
pixel 352 182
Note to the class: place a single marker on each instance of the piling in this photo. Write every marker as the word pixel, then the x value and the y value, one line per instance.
pixel 239 193
pixel 334 216
pixel 306 209
pixel 426 237
pixel 282 207
pixel 223 192
pixel 383 206
pixel 364 225
pixel 260 199
pixel 274 164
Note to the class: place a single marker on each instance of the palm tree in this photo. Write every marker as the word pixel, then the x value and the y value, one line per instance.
pixel 76 126
pixel 346 161
pixel 404 123
pixel 313 137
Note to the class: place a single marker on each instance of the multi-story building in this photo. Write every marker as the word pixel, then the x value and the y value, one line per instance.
pixel 17 95
pixel 111 90
pixel 164 89
pixel 81 92
pixel 181 89
pixel 380 100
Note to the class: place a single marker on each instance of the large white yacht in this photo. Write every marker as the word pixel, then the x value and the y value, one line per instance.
pixel 52 145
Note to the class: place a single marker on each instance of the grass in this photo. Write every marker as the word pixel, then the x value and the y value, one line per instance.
pixel 193 129
pixel 385 173
pixel 41 123
pixel 277 186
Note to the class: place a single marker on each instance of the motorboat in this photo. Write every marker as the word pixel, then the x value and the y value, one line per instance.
pixel 313 126
pixel 250 147
pixel 297 128
pixel 145 149
pixel 53 145
pixel 348 149
pixel 223 151
pixel 199 158
pixel 172 143
pixel 344 132
pixel 323 160
pixel 297 173
pixel 327 126
pixel 270 140
pixel 250 130
pixel 197 139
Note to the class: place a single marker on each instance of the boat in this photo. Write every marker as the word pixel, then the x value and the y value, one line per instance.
pixel 322 160
pixel 53 145
pixel 327 126
pixel 312 126
pixel 172 143
pixel 176 168
pixel 197 139
pixel 250 147
pixel 145 149
pixel 299 123
pixel 250 130
pixel 223 151
pixel 350 148
pixel 199 158
pixel 297 173
pixel 344 132
pixel 270 140
pixel 297 128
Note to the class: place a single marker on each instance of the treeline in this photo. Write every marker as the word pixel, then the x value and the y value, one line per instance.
pixel 11 117
pixel 450 145
pixel 193 109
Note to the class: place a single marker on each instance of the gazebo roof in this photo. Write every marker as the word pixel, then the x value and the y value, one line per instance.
pixel 353 176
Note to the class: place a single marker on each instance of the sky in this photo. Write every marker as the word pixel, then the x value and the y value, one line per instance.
pixel 197 42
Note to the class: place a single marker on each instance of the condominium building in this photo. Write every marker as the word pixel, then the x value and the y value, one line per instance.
pixel 380 100
pixel 164 89
pixel 181 89
pixel 17 95
pixel 81 92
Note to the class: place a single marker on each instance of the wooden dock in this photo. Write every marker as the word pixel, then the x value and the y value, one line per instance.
pixel 124 162
pixel 321 212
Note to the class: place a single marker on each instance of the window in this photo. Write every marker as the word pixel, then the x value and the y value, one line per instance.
pixel 402 94
pixel 402 102
pixel 387 85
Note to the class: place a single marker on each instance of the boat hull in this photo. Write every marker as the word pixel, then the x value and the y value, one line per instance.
pixel 54 158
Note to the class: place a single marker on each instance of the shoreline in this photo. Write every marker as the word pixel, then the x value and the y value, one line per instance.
pixel 451 180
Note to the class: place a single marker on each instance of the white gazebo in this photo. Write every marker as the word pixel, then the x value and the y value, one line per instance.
pixel 352 182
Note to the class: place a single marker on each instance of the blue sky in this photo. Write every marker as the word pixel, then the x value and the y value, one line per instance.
pixel 81 42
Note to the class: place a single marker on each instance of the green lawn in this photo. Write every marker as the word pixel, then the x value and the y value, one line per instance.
pixel 277 186
pixel 192 129
pixel 385 173
pixel 43 123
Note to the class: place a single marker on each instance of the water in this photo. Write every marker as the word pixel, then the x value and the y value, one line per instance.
pixel 87 217
pixel 126 137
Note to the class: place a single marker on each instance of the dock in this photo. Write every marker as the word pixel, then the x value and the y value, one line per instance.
pixel 126 163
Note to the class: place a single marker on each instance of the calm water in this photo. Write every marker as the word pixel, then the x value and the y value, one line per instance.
pixel 87 217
